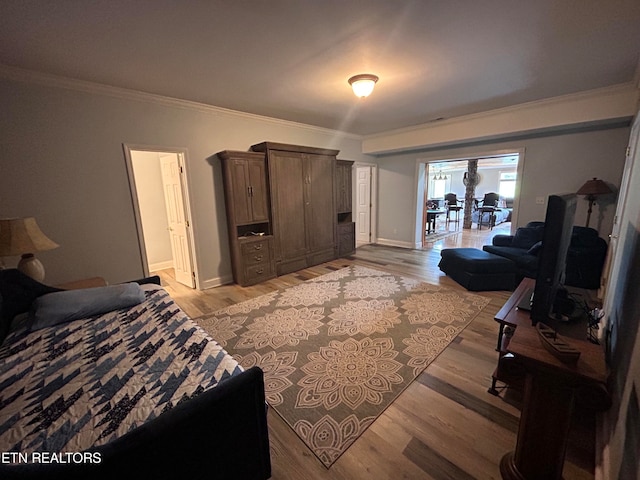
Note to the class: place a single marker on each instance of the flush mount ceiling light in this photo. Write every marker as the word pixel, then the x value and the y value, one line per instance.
pixel 363 84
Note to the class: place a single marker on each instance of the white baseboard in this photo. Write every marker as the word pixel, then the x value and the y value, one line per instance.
pixel 395 243
pixel 154 267
pixel 216 282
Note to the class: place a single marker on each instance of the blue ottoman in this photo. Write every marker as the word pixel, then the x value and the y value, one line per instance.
pixel 478 270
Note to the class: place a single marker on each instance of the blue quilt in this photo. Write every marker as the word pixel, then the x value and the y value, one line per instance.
pixel 86 382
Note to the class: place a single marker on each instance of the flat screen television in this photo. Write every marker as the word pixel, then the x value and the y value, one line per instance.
pixel 558 227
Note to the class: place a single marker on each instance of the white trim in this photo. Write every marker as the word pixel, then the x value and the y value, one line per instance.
pixel 433 158
pixel 395 243
pixel 183 161
pixel 55 81
pixel 154 267
pixel 593 107
pixel 216 282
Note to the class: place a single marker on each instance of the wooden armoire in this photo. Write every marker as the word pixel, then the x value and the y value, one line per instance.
pixel 302 191
pixel 244 175
pixel 288 208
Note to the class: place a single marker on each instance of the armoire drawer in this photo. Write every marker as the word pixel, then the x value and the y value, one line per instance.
pixel 258 256
pixel 263 245
pixel 257 273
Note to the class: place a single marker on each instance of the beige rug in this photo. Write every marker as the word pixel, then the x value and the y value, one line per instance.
pixel 338 349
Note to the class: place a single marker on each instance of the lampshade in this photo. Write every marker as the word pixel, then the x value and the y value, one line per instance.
pixel 363 84
pixel 22 236
pixel 594 187
pixel 591 189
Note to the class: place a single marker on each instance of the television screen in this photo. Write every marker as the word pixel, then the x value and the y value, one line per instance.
pixel 558 227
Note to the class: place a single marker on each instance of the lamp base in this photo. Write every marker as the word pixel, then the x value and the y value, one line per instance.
pixel 31 266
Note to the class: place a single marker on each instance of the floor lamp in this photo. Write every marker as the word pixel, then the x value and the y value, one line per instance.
pixel 22 236
pixel 593 188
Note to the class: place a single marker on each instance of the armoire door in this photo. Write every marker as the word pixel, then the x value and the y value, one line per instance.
pixel 247 180
pixel 258 190
pixel 287 174
pixel 319 204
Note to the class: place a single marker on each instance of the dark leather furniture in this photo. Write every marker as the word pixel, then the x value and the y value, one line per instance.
pixel 585 257
pixel 478 270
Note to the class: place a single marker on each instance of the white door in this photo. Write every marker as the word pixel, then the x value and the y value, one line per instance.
pixel 363 205
pixel 178 226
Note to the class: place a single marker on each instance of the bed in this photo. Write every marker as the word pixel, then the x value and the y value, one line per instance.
pixel 137 391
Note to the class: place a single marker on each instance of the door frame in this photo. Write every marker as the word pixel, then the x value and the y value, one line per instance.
pixel 373 193
pixel 183 161
pixel 420 187
pixel 611 269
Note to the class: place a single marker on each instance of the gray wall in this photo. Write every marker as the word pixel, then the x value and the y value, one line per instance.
pixel 63 163
pixel 552 164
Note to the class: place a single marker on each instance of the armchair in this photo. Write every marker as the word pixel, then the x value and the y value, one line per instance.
pixel 585 257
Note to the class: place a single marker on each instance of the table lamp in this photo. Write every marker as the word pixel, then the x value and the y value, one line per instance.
pixel 593 188
pixel 22 236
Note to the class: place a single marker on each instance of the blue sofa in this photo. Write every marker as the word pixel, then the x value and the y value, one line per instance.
pixel 585 257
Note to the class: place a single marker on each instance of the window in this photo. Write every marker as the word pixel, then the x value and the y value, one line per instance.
pixel 507 184
pixel 439 188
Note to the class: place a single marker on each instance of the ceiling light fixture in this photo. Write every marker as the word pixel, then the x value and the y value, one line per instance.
pixel 363 84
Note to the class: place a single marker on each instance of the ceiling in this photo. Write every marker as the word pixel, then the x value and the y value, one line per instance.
pixel 290 59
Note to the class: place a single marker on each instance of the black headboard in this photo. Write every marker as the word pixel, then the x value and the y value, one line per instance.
pixel 17 293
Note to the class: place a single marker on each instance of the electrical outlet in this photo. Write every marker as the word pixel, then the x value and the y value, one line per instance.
pixel 539 200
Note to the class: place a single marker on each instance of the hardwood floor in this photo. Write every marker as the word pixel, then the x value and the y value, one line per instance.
pixel 444 425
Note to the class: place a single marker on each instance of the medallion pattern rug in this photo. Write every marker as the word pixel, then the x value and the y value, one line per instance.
pixel 338 349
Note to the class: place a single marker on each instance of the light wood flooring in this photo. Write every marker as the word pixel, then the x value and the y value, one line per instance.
pixel 444 425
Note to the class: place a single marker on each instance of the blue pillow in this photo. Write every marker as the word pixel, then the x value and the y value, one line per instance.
pixel 60 307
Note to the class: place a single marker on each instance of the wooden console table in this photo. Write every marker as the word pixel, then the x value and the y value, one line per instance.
pixel 550 389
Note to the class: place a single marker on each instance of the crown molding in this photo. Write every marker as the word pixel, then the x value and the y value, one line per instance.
pixel 17 74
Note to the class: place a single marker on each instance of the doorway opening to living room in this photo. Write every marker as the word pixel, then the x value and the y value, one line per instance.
pixel 452 200
pixel 157 178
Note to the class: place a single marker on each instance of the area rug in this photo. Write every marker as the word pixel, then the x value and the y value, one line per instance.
pixel 338 349
pixel 438 235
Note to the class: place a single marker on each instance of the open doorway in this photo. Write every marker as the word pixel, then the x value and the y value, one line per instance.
pixel 499 173
pixel 162 211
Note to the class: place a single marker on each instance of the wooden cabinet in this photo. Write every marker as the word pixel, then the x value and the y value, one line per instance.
pixel 346 238
pixel 248 221
pixel 245 179
pixel 302 194
pixel 552 389
pixel 346 228
pixel 343 186
pixel 256 260
pixel 288 208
